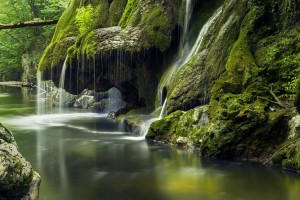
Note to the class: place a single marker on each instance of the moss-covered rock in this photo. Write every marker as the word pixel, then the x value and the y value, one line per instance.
pixel 119 43
pixel 297 99
pixel 6 135
pixel 17 178
pixel 289 157
pixel 240 78
pixel 179 126
pixel 192 84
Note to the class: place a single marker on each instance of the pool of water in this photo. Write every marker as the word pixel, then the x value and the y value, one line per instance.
pixel 82 155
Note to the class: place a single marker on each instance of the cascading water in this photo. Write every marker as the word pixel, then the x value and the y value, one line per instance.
pixel 62 84
pixel 188 11
pixel 181 61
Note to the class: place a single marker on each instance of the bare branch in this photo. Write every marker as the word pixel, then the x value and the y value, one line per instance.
pixel 27 24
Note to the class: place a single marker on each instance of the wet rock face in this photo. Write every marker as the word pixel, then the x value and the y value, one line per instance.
pixel 102 102
pixel 191 86
pixel 126 47
pixel 17 178
pixel 241 74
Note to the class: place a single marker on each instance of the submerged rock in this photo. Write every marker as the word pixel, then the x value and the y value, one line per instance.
pixel 17 178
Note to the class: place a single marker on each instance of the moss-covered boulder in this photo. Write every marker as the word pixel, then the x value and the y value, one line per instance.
pixel 297 99
pixel 246 71
pixel 179 126
pixel 118 43
pixel 288 155
pixel 271 43
pixel 192 84
pixel 17 178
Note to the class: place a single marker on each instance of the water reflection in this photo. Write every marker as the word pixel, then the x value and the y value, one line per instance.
pixel 87 156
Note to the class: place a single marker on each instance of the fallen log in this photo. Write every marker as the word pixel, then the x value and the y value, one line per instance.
pixel 28 24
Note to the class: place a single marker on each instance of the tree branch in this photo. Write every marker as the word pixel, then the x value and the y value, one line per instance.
pixel 27 24
pixel 274 102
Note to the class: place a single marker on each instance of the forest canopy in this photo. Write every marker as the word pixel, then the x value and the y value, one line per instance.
pixel 21 49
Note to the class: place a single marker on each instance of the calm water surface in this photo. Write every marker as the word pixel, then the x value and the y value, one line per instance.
pixel 87 156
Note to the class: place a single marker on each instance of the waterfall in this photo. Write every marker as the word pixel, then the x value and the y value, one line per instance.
pixel 188 11
pixel 181 61
pixel 41 95
pixel 62 84
pixel 200 37
pixel 185 58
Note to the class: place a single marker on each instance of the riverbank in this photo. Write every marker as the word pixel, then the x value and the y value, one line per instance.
pixel 16 84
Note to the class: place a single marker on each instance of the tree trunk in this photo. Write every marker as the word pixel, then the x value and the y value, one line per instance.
pixel 27 24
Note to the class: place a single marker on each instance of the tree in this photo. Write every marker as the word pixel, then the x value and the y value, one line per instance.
pixel 30 41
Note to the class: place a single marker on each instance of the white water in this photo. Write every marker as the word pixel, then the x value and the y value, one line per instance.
pixel 184 58
pixel 41 96
pixel 62 84
pixel 188 11
pixel 180 62
pixel 200 38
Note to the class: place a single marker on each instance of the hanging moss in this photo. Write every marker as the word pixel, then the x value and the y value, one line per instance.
pixel 66 25
pixel 241 66
pixel 289 157
pixel 297 99
pixel 116 12
pixel 55 53
pixel 155 27
pixel 130 14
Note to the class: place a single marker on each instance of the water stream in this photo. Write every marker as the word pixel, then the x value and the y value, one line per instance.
pixel 185 55
pixel 62 83
pixel 84 155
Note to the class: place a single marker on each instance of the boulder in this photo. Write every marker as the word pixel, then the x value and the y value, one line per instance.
pixel 17 178
pixel 84 102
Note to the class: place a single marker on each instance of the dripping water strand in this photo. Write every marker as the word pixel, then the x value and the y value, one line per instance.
pixel 185 58
pixel 62 84
pixel 180 62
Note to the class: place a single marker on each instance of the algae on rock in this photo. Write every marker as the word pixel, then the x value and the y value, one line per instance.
pixel 125 46
pixel 17 178
pixel 241 66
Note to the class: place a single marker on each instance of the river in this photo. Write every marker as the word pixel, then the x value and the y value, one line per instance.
pixel 82 155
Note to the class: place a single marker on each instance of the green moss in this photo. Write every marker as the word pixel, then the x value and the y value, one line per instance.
pixel 85 18
pixel 279 56
pixel 55 53
pixel 129 14
pixel 164 129
pixel 101 15
pixel 241 66
pixel 72 51
pixel 116 11
pixel 86 45
pixel 297 99
pixel 66 25
pixel 155 27
pixel 289 157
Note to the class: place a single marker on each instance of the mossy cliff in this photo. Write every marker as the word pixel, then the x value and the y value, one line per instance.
pixel 17 178
pixel 114 43
pixel 236 96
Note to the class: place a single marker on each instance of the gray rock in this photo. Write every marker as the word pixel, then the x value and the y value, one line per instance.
pixel 115 38
pixel 84 102
pixel 294 126
pixel 6 135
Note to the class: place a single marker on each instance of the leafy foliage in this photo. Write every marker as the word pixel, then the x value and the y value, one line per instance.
pixel 15 43
pixel 85 18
